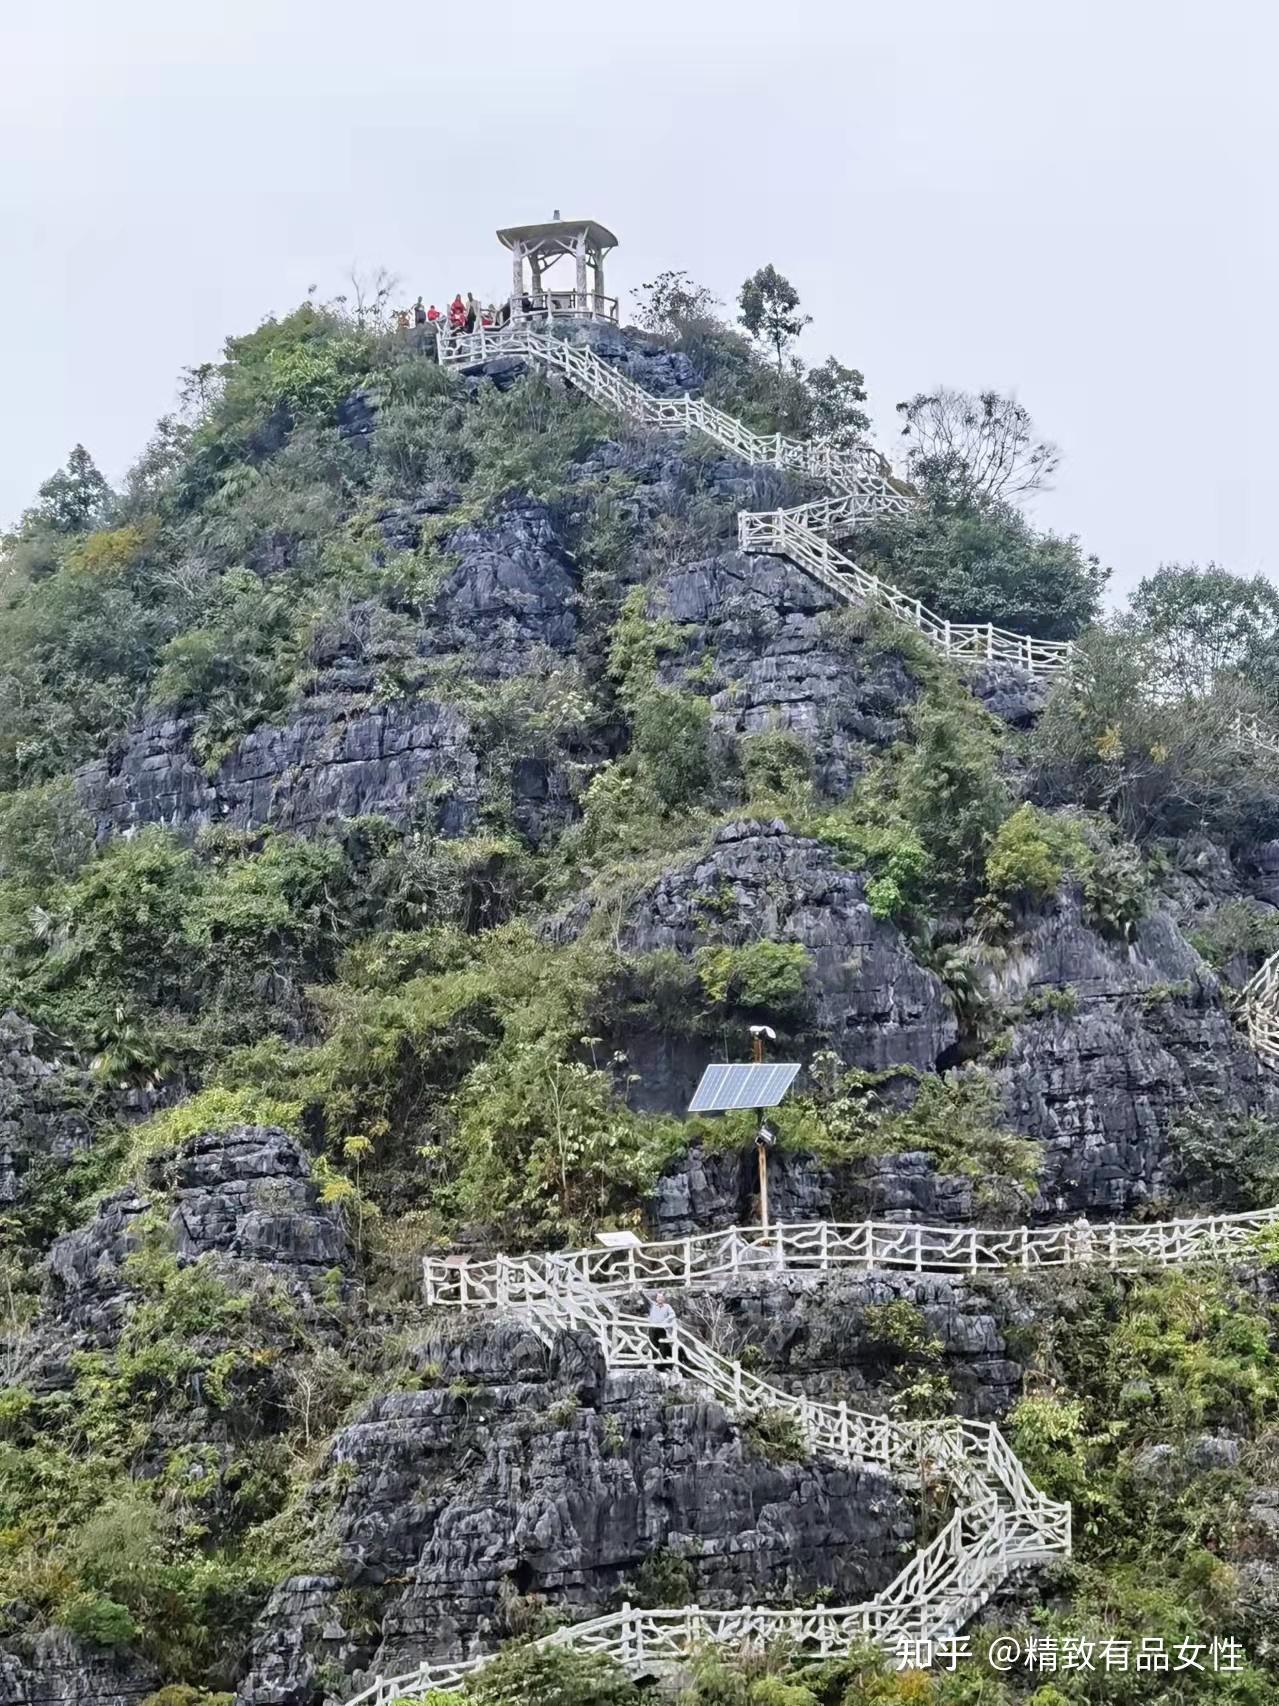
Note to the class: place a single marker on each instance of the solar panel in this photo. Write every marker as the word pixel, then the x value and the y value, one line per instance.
pixel 749 1084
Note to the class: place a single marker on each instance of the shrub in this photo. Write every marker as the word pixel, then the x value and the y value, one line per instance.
pixel 664 1578
pixel 763 976
pixel 1030 854
pixel 1236 930
pixel 1108 742
pixel 532 1676
pixel 45 835
pixel 213 1109
pixel 777 763
pixel 183 1694
pixel 94 1617
pixel 956 1119
pixel 984 562
pixel 777 1435
pixel 672 742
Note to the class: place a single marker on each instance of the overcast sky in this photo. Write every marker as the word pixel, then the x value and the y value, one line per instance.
pixel 1069 198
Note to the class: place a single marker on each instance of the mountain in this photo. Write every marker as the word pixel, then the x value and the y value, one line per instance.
pixel 411 779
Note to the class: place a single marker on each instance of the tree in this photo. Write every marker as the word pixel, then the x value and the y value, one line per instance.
pixel 986 563
pixel 836 391
pixel 967 447
pixel 1198 627
pixel 74 499
pixel 1106 742
pixel 675 301
pixel 769 306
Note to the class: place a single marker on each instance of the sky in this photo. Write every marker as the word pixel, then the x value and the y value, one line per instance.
pixel 1067 199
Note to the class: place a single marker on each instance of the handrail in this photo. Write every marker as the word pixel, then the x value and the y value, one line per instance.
pixel 1001 1523
pixel 803 535
pixel 824 1245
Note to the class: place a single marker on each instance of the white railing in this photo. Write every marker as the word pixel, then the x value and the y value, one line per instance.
pixel 802 534
pixel 823 1245
pixel 857 473
pixel 780 533
pixel 1255 733
pixel 1259 1000
pixel 1001 1523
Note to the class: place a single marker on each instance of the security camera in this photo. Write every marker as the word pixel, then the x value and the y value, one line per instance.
pixel 764 1031
pixel 765 1137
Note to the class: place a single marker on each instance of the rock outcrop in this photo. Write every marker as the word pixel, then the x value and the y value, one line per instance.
pixel 700 1191
pixel 1148 1043
pixel 784 654
pixel 54 1669
pixel 306 775
pixel 573 1480
pixel 864 994
pixel 40 1108
pixel 243 1197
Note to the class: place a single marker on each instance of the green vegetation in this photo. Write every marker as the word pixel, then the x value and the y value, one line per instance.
pixel 1158 765
pixel 957 1120
pixel 442 1020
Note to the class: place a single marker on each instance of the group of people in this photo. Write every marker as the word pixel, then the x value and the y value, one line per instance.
pixel 461 316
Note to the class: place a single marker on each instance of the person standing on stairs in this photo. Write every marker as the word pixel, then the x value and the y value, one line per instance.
pixel 457 313
pixel 419 313
pixel 472 311
pixel 661 1324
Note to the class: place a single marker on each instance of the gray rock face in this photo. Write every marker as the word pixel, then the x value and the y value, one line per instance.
pixel 699 1192
pixel 247 1194
pixel 305 776
pixel 507 606
pixel 513 591
pixel 572 1479
pixel 666 373
pixel 1264 872
pixel 38 1108
pixel 815 1334
pixel 1009 694
pixel 782 661
pixel 401 524
pixel 1102 1088
pixel 865 996
pixel 54 1669
pixel 242 1196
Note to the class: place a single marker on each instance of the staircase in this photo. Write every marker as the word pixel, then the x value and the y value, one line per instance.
pixel 803 535
pixel 1000 1523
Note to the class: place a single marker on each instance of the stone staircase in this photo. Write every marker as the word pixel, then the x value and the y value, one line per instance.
pixel 1000 1523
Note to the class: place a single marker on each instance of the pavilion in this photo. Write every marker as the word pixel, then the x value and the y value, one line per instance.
pixel 538 248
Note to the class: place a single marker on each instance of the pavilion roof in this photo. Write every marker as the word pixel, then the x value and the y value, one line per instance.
pixel 559 235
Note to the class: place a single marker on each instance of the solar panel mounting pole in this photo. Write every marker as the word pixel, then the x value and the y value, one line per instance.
pixel 761 1149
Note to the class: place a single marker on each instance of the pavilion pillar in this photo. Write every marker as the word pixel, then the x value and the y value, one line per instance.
pixel 599 282
pixel 581 273
pixel 517 277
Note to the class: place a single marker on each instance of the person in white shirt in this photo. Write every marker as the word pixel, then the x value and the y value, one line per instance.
pixel 661 1322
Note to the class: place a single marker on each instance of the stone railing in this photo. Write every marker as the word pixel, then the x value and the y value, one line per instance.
pixel 801 534
pixel 822 1245
pixel 1001 1523
pixel 804 536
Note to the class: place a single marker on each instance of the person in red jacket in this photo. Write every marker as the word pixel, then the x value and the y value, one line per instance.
pixel 457 313
pixel 432 315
